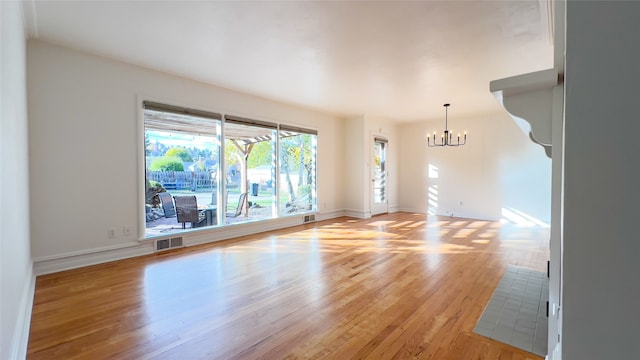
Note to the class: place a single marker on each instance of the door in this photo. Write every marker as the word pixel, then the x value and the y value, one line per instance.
pixel 380 202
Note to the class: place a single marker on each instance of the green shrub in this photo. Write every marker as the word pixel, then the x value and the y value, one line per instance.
pixel 167 163
pixel 157 185
pixel 152 189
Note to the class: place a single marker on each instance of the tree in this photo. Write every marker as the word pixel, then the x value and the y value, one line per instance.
pixel 307 159
pixel 180 152
pixel 167 163
pixel 261 154
pixel 288 152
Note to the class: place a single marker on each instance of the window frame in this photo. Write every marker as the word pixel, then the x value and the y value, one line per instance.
pixel 222 166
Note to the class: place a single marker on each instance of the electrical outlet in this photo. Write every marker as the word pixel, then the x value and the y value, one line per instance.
pixel 111 233
pixel 126 231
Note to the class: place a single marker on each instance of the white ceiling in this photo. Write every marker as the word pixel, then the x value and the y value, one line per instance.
pixel 397 60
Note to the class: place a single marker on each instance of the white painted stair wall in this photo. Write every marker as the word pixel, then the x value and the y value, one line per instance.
pixel 535 101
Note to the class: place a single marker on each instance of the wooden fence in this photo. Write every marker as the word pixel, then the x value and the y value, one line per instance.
pixel 179 180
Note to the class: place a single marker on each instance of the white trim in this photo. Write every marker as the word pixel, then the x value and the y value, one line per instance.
pixel 141 168
pixel 327 215
pixel 275 199
pixel 251 228
pixel 357 213
pixel 222 196
pixel 84 252
pixel 243 229
pixel 23 322
pixel 410 210
pixel 77 259
pixel 394 208
pixel 377 137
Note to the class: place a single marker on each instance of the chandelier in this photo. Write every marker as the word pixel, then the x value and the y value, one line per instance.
pixel 446 139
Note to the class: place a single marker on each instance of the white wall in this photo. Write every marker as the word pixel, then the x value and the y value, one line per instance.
pixel 354 166
pixel 601 290
pixel 499 168
pixel 359 133
pixel 84 145
pixel 16 276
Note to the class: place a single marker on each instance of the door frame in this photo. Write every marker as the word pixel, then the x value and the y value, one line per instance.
pixel 378 208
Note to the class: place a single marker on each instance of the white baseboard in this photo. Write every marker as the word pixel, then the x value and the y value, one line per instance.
pixel 77 259
pixel 394 209
pixel 410 210
pixel 327 215
pixel 23 324
pixel 357 214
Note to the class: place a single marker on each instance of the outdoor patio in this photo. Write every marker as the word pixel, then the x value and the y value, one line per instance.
pixel 168 225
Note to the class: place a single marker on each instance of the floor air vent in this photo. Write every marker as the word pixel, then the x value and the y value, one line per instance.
pixel 176 242
pixel 308 218
pixel 166 244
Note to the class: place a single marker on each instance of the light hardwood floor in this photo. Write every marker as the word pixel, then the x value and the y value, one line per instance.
pixel 391 287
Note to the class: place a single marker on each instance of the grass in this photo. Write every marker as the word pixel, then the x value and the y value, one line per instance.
pixel 264 198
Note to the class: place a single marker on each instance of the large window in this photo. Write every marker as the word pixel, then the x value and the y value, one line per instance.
pixel 250 148
pixel 297 170
pixel 182 167
pixel 269 169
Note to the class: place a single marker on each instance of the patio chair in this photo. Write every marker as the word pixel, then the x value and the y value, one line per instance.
pixel 187 211
pixel 167 204
pixel 241 200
